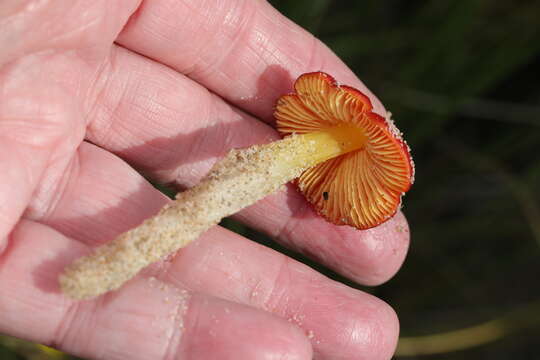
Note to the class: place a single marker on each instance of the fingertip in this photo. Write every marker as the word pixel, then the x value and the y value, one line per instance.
pixel 225 330
pixel 368 329
pixel 382 251
pixel 383 326
pixel 369 257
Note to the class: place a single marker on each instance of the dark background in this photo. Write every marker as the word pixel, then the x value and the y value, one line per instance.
pixel 462 80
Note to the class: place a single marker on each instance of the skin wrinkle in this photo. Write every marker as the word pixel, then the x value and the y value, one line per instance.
pixel 45 201
pixel 150 110
pixel 177 329
pixel 48 34
pixel 194 325
pixel 66 325
pixel 376 336
pixel 5 248
pixel 187 68
pixel 69 181
pixel 106 127
pixel 53 187
pixel 228 133
pixel 194 9
pixel 199 144
pixel 15 21
pixel 370 277
pixel 30 178
pixel 98 89
pixel 72 313
pixel 357 334
pixel 82 28
pixel 240 27
pixel 254 294
pixel 51 124
pixel 196 53
pixel 278 297
pixel 263 42
pixel 273 297
pixel 277 22
pixel 62 126
pixel 333 257
pixel 286 229
pixel 257 44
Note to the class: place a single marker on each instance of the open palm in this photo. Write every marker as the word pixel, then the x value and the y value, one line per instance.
pixel 90 91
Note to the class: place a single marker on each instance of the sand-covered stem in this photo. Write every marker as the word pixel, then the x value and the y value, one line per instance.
pixel 239 180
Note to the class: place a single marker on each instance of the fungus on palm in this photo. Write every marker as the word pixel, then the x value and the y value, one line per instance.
pixel 349 162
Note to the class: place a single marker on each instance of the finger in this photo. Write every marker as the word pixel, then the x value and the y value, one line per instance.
pixel 245 51
pixel 342 323
pixel 147 319
pixel 224 265
pixel 371 257
pixel 174 130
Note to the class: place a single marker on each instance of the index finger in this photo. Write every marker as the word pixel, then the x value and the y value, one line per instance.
pixel 245 51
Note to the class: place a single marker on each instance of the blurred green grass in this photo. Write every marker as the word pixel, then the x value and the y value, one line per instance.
pixel 461 78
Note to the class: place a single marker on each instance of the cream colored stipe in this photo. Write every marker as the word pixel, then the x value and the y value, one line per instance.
pixel 239 180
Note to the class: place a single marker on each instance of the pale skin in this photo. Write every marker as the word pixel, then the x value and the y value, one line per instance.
pixel 88 95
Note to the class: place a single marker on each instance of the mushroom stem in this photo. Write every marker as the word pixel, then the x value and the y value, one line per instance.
pixel 239 180
pixel 327 144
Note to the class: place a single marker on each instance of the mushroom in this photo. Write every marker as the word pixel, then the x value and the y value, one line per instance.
pixel 362 186
pixel 349 162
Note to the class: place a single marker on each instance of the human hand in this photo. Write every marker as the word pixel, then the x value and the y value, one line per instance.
pixel 169 86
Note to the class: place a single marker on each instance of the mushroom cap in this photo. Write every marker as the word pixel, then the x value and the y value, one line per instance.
pixel 362 188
